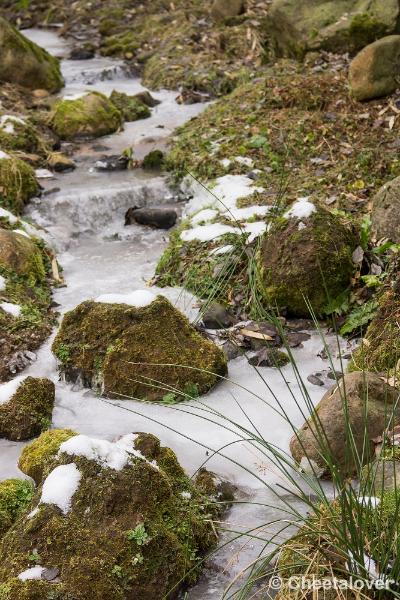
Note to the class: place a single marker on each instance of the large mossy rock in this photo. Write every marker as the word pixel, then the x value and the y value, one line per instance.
pixel 17 135
pixel 362 402
pixel 19 254
pixel 25 63
pixel 90 116
pixel 131 107
pixel 380 348
pixel 146 353
pixel 15 496
pixel 128 524
pixel 375 71
pixel 294 27
pixel 385 215
pixel 307 258
pixel 29 408
pixel 18 184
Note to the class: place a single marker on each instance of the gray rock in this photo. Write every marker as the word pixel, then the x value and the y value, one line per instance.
pixel 225 9
pixel 216 316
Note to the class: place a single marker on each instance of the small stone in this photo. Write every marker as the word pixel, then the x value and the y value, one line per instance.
pixel 112 163
pixel 216 316
pixel 81 53
pixel 296 339
pixel 315 380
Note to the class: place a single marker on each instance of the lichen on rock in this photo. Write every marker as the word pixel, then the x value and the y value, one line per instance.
pixel 145 353
pixel 91 116
pixel 28 410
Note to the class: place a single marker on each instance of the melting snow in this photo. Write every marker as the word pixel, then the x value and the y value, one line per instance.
pixel 4 154
pixel 208 214
pixel 255 229
pixel 8 215
pixel 21 232
pixel 221 250
pixel 33 573
pixel 242 214
pixel 3 283
pixel 114 455
pixel 244 160
pixel 206 233
pixel 7 390
pixel 138 299
pixel 225 162
pixel 301 209
pixel 60 486
pixel 11 309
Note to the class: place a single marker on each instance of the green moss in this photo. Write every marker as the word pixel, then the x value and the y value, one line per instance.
pixel 365 29
pixel 91 116
pixel 39 454
pixel 130 107
pixel 29 411
pixel 380 350
pixel 312 264
pixel 140 535
pixel 17 184
pixel 139 353
pixel 15 496
pixel 153 160
pixel 23 138
pixel 25 63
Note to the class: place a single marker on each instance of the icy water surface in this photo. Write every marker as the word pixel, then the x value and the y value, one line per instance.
pixel 84 215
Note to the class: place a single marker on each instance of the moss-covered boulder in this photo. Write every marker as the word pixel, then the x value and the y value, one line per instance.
pixel 294 27
pixel 90 116
pixel 131 108
pixel 25 63
pixel 15 496
pixel 307 257
pixel 374 72
pixel 128 524
pixel 225 9
pixel 154 160
pixel 18 253
pixel 362 404
pixel 16 134
pixel 38 455
pixel 26 407
pixel 380 348
pixel 146 352
pixel 17 184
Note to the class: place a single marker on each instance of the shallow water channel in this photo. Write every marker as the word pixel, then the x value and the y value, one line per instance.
pixel 84 218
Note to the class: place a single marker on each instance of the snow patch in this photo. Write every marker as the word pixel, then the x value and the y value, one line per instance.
pixel 138 299
pixel 8 215
pixel 222 250
pixel 3 283
pixel 112 455
pixel 301 209
pixel 255 230
pixel 208 214
pixel 11 309
pixel 4 155
pixel 7 390
pixel 249 212
pixel 206 233
pixel 22 232
pixel 60 486
pixel 244 160
pixel 34 573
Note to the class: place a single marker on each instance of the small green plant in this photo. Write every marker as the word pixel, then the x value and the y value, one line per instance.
pixel 137 559
pixel 63 353
pixel 138 535
pixel 34 557
pixel 170 398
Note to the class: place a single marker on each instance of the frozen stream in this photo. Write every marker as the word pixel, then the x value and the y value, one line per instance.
pixel 85 218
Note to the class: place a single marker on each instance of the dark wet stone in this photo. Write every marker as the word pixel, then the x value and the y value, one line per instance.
pixel 81 53
pixel 216 316
pixel 160 218
pixel 231 350
pixel 112 163
pixel 296 339
pixel 315 380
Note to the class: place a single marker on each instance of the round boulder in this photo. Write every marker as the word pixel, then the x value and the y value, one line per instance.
pixel 25 63
pixel 306 257
pixel 17 184
pixel 226 9
pixel 90 116
pixel 375 71
pixel 362 402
